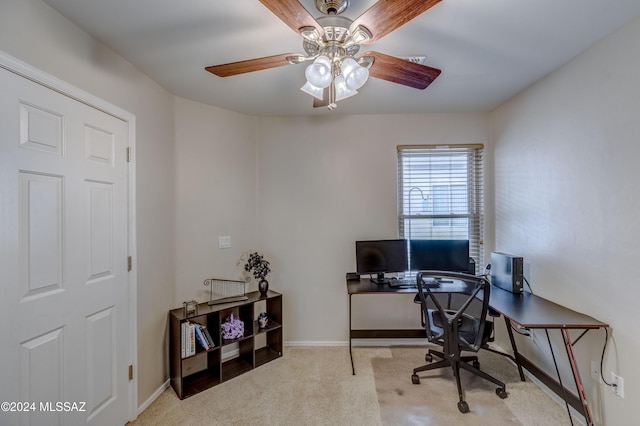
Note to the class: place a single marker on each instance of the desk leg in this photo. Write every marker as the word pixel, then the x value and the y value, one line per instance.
pixel 353 369
pixel 576 376
pixel 514 348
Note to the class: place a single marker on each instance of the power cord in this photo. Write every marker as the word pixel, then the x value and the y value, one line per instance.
pixel 487 271
pixel 528 285
pixel 606 340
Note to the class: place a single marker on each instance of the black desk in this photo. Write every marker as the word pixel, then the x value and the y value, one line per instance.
pixel 525 310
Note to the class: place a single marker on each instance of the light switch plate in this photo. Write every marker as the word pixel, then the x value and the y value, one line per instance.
pixel 224 242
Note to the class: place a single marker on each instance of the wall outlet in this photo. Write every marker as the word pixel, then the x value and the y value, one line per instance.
pixel 595 371
pixel 618 385
pixel 224 242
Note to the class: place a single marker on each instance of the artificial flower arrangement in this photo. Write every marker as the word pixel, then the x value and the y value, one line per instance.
pixel 259 265
pixel 232 328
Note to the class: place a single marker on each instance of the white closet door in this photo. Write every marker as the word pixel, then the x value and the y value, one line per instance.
pixel 63 258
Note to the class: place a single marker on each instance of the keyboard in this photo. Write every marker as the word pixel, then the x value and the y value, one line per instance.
pixel 411 283
pixel 402 282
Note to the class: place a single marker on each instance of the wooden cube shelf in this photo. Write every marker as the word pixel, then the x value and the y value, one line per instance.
pixel 204 369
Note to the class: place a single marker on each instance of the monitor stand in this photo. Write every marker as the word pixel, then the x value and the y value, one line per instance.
pixel 380 279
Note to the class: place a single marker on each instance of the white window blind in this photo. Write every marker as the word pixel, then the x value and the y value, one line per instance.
pixel 441 195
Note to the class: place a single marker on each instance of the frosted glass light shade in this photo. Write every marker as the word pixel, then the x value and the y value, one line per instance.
pixel 314 91
pixel 342 91
pixel 357 77
pixel 319 72
pixel 348 65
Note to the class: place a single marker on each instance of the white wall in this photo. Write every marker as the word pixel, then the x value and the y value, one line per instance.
pixel 566 198
pixel 324 183
pixel 216 195
pixel 34 33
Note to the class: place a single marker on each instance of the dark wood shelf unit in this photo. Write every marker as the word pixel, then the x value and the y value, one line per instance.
pixel 205 369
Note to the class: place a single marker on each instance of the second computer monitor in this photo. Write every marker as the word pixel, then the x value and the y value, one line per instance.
pixel 439 255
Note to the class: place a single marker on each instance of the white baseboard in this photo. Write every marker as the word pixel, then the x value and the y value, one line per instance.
pixel 390 342
pixel 153 397
pixel 359 342
pixel 316 343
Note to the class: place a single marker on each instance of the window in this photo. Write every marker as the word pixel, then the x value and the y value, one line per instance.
pixel 441 194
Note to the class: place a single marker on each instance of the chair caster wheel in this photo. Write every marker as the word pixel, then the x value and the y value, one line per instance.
pixel 415 379
pixel 428 357
pixel 501 393
pixel 463 407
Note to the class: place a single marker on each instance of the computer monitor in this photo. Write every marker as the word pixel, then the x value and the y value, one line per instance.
pixel 439 255
pixel 380 256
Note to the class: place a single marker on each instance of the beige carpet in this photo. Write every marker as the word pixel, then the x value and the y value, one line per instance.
pixel 314 386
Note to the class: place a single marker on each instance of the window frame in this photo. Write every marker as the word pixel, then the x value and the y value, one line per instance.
pixel 473 175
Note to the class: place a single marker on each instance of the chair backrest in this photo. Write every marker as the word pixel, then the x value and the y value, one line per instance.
pixel 446 309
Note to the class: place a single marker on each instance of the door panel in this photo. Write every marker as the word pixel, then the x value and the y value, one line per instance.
pixel 41 257
pixel 41 372
pixel 101 356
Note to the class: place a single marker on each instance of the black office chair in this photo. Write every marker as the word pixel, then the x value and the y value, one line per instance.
pixel 448 323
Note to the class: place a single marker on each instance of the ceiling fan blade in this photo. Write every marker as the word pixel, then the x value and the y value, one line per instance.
pixel 401 71
pixel 250 65
pixel 387 15
pixel 292 13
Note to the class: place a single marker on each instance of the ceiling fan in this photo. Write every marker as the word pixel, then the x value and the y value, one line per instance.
pixel 332 42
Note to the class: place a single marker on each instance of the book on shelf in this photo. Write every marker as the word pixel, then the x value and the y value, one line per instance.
pixel 207 335
pixel 200 336
pixel 188 339
pixel 183 333
pixel 192 339
pixel 193 333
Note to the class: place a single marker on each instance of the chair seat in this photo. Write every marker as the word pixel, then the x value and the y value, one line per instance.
pixel 467 326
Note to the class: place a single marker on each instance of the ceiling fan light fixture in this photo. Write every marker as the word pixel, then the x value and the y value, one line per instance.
pixel 319 73
pixel 312 90
pixel 332 42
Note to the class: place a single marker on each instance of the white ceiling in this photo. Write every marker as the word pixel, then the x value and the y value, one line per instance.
pixel 488 50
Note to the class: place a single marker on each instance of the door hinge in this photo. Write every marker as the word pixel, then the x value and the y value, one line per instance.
pixel 131 372
pixel 128 154
pixel 129 263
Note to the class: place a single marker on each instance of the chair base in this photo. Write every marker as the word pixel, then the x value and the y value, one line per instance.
pixel 469 363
